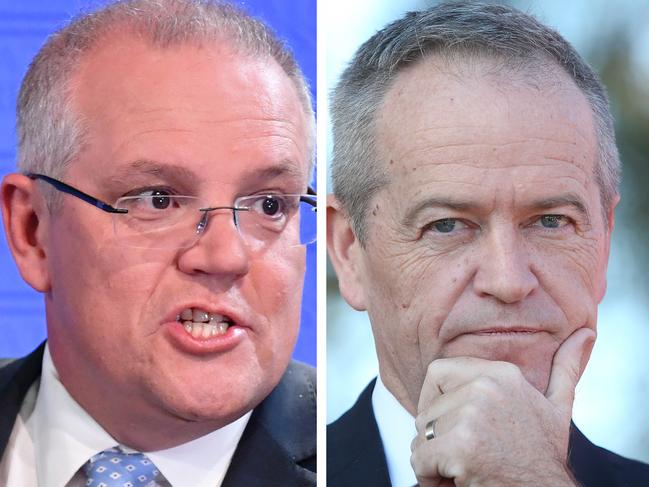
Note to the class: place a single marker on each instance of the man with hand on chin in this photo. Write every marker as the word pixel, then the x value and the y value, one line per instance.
pixel 475 178
pixel 165 148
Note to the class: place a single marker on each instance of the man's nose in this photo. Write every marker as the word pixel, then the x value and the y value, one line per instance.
pixel 505 267
pixel 220 249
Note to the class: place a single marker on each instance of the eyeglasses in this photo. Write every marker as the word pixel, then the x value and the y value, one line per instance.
pixel 157 218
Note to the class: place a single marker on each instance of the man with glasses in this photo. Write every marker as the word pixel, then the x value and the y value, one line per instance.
pixel 475 178
pixel 162 208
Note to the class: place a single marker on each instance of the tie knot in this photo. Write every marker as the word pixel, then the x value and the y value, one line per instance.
pixel 114 468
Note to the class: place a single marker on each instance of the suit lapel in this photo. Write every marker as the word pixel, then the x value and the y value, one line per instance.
pixel 15 380
pixel 355 453
pixel 278 446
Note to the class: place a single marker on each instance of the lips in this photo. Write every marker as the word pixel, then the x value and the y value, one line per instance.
pixel 198 328
pixel 502 332
pixel 506 331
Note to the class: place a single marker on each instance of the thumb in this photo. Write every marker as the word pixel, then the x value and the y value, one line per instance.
pixel 567 366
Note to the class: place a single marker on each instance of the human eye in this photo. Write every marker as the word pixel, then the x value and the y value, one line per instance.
pixel 551 221
pixel 445 226
pixel 271 207
pixel 152 202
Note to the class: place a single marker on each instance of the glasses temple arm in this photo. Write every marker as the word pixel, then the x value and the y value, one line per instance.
pixel 306 199
pixel 65 188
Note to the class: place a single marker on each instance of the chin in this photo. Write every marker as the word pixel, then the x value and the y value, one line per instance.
pixel 210 394
pixel 533 358
pixel 219 406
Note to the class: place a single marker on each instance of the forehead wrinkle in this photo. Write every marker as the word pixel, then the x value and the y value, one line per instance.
pixel 568 179
pixel 432 147
pixel 504 144
pixel 269 135
pixel 482 130
pixel 283 168
pixel 482 166
pixel 242 119
pixel 286 129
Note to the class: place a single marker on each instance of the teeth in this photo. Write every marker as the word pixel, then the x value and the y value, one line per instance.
pixel 201 324
pixel 200 316
pixel 197 330
pixel 205 330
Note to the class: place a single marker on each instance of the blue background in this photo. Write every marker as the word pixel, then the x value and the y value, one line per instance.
pixel 24 26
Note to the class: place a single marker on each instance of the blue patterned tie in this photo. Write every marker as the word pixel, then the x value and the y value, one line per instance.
pixel 113 468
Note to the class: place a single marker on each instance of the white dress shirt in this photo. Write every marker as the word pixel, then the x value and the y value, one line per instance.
pixel 53 437
pixel 397 429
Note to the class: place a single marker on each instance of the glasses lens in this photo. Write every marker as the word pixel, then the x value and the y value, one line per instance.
pixel 158 221
pixel 308 220
pixel 263 219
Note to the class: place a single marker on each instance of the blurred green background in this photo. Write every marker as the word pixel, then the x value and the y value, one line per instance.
pixel 611 405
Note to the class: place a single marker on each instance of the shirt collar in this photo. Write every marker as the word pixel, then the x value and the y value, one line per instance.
pixel 66 436
pixel 397 430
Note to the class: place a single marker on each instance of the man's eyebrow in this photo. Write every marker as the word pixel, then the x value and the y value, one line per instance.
pixel 448 203
pixel 157 169
pixel 451 203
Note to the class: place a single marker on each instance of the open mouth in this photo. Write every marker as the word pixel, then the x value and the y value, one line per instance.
pixel 202 324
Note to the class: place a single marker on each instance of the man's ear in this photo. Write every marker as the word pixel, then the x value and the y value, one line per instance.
pixel 24 213
pixel 610 216
pixel 345 254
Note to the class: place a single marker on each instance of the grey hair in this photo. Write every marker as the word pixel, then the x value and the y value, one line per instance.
pixel 464 28
pixel 50 133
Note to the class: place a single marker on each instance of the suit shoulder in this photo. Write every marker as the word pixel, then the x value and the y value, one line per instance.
pixel 19 373
pixel 16 377
pixel 5 361
pixel 301 375
pixel 297 389
pixel 355 453
pixel 595 466
pixel 623 471
pixel 357 421
pixel 289 412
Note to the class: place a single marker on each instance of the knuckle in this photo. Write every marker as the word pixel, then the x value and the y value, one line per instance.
pixel 434 367
pixel 420 423
pixel 472 413
pixel 485 386
pixel 511 370
pixel 418 462
pixel 453 467
pixel 413 443
pixel 465 435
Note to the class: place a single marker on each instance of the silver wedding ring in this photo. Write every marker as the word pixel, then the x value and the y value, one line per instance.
pixel 430 429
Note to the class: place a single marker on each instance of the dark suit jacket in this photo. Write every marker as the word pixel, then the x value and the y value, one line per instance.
pixel 355 454
pixel 278 446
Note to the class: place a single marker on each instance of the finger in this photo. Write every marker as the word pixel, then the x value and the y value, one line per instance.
pixel 448 374
pixel 436 461
pixel 424 462
pixel 423 482
pixel 567 366
pixel 442 406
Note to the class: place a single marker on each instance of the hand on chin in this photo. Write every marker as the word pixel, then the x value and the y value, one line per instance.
pixel 492 427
